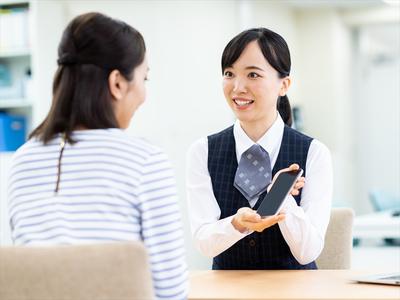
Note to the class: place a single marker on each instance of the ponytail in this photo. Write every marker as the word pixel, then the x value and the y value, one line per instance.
pixel 284 109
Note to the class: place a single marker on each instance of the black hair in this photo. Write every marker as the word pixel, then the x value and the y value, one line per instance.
pixel 91 47
pixel 275 51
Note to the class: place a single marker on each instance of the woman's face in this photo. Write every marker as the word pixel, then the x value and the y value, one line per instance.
pixel 134 96
pixel 252 86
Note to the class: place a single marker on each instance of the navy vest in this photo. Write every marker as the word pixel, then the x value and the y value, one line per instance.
pixel 257 251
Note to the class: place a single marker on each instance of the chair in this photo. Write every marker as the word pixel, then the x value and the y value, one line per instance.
pixel 80 272
pixel 382 200
pixel 338 240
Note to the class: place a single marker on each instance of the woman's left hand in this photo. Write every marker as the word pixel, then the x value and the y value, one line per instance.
pixel 297 186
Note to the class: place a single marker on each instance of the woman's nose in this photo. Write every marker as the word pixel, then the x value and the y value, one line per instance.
pixel 239 86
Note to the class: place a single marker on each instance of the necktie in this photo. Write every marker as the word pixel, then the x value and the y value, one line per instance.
pixel 253 173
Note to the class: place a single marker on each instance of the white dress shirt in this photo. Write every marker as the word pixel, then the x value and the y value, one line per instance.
pixel 304 226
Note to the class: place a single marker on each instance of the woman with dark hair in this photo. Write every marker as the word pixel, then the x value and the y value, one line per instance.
pixel 80 178
pixel 224 192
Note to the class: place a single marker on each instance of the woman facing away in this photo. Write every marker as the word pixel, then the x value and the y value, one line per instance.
pixel 80 178
pixel 230 172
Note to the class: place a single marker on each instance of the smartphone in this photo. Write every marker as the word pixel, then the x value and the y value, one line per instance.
pixel 283 184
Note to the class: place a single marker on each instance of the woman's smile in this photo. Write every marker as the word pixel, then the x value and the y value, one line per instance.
pixel 242 103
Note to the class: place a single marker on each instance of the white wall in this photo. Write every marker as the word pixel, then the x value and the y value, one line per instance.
pixel 324 92
pixel 377 122
pixel 47 24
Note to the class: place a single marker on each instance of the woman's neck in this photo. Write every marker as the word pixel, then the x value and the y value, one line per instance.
pixel 80 127
pixel 256 129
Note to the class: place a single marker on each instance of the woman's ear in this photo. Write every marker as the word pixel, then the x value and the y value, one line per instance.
pixel 285 86
pixel 117 85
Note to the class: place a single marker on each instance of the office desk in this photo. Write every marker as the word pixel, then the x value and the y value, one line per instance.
pixel 311 284
pixel 377 225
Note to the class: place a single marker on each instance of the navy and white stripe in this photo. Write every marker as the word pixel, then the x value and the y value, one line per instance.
pixel 113 188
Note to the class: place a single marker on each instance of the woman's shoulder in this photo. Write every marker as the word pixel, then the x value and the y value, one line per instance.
pixel 317 148
pixel 225 132
pixel 117 138
pixel 112 141
pixel 198 147
pixel 297 134
pixel 32 146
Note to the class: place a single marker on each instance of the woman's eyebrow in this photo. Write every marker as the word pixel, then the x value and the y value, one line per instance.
pixel 254 67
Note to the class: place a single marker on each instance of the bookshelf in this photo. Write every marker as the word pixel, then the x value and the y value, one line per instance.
pixel 46 21
pixel 16 95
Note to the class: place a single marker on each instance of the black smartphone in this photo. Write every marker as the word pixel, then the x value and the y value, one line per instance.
pixel 283 184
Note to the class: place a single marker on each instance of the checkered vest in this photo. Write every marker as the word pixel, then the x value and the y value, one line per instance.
pixel 257 251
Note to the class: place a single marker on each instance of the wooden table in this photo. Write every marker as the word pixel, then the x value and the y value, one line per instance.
pixel 310 284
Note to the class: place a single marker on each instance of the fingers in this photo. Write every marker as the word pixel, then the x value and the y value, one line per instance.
pixel 265 223
pixel 247 214
pixel 298 185
pixel 302 179
pixel 293 167
pixel 280 217
pixel 250 217
pixel 244 217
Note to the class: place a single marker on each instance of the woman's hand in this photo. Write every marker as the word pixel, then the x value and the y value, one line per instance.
pixel 297 186
pixel 248 219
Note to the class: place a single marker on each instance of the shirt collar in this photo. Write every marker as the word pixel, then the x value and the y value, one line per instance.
pixel 270 141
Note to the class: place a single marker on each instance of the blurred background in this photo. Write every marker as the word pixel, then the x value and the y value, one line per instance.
pixel 345 91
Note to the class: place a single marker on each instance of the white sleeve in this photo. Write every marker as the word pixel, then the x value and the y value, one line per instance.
pixel 211 235
pixel 305 226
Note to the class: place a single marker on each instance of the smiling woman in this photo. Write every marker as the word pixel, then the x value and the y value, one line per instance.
pixel 253 66
pixel 230 172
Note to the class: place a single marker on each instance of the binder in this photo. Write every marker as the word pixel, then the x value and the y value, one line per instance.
pixel 12 131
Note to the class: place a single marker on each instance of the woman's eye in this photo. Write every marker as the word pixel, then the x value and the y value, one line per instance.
pixel 253 75
pixel 228 74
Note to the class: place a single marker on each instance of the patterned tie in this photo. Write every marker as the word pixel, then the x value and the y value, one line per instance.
pixel 253 173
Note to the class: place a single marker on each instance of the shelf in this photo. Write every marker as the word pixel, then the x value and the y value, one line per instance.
pixel 14 103
pixel 14 2
pixel 14 53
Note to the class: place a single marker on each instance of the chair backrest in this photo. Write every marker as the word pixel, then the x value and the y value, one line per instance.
pixel 382 200
pixel 98 271
pixel 338 240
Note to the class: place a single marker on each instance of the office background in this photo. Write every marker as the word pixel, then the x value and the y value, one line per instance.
pixel 345 73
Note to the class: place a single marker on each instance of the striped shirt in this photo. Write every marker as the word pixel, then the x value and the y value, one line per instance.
pixel 112 188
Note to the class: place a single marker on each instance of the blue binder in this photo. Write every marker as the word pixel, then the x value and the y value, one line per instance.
pixel 12 131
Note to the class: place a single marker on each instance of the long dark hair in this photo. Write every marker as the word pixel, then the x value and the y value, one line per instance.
pixel 275 51
pixel 91 47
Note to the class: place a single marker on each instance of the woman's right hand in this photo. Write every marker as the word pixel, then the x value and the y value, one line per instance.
pixel 248 219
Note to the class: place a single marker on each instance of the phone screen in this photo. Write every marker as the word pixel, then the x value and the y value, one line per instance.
pixel 280 189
